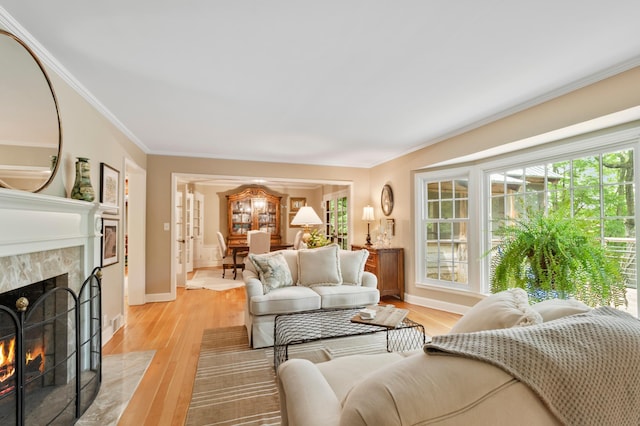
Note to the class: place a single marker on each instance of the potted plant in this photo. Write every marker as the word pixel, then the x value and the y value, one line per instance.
pixel 555 256
pixel 317 239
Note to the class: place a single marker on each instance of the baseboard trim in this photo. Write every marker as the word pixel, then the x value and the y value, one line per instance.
pixel 159 297
pixel 107 334
pixel 436 304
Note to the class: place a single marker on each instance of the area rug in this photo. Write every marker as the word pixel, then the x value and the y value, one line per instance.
pixel 211 279
pixel 235 384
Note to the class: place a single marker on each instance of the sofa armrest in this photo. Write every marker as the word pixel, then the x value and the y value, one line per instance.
pixel 252 284
pixel 369 280
pixel 306 398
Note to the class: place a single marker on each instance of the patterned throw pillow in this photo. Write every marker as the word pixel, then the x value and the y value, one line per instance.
pixel 272 269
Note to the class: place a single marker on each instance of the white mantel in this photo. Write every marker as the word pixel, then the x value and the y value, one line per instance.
pixel 35 223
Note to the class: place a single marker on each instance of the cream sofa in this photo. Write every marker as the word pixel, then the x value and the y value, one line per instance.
pixel 420 388
pixel 288 281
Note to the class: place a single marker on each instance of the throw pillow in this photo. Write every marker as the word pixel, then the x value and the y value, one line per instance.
pixel 352 265
pixel 272 269
pixel 557 308
pixel 509 308
pixel 319 266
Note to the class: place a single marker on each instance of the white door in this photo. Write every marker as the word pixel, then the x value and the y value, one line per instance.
pixel 188 232
pixel 336 208
pixel 198 230
pixel 180 269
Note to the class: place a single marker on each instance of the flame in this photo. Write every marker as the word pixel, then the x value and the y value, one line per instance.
pixel 33 354
pixel 8 357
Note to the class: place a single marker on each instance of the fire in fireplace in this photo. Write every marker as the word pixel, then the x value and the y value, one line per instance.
pixel 34 363
pixel 50 351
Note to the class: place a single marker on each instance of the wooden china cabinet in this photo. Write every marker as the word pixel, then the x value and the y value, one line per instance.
pixel 253 209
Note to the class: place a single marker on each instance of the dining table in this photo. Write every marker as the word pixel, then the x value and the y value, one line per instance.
pixel 244 248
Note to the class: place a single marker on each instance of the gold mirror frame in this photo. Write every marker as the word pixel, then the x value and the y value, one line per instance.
pixel 29 150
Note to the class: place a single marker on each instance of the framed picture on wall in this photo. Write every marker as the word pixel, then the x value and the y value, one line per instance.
pixel 390 225
pixel 291 216
pixel 296 203
pixel 109 182
pixel 109 241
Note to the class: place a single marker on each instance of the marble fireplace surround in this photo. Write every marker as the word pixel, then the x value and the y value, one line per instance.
pixel 42 236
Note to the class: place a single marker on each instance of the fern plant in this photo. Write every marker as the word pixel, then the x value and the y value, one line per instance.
pixel 554 256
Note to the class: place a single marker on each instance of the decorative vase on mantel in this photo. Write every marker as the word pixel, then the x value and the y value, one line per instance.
pixel 82 189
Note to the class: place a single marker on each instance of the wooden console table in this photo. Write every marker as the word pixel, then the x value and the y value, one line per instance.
pixel 388 265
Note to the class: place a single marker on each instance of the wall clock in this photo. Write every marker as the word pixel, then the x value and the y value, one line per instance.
pixel 386 200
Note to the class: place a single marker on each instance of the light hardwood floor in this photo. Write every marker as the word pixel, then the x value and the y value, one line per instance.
pixel 174 330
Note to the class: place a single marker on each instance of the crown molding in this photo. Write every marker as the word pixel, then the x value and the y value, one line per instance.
pixel 11 25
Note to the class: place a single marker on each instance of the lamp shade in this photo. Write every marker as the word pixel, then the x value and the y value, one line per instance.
pixel 306 216
pixel 367 214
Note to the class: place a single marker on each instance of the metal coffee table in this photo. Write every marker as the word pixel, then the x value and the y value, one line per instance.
pixel 309 326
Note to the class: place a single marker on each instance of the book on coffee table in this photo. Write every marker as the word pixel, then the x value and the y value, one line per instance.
pixel 386 316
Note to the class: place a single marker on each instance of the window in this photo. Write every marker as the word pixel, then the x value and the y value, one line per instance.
pixel 337 220
pixel 444 248
pixel 597 188
pixel 446 229
pixel 593 177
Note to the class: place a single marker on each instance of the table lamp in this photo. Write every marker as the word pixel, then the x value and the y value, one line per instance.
pixel 367 215
pixel 305 217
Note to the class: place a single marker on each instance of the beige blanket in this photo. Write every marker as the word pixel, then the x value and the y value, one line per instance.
pixel 585 367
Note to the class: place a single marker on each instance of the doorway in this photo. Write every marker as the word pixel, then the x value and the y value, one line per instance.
pixel 213 187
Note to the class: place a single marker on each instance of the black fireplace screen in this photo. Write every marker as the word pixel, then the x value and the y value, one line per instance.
pixel 50 351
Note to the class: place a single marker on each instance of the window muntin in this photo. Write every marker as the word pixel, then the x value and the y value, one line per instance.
pixel 337 220
pixel 596 188
pixel 445 230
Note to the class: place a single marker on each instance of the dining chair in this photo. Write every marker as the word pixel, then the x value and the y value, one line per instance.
pixel 259 242
pixel 297 242
pixel 227 261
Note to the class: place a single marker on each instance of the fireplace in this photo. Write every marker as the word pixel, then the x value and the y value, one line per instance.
pixel 50 351
pixel 49 251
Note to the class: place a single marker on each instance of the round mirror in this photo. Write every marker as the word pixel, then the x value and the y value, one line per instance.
pixel 30 132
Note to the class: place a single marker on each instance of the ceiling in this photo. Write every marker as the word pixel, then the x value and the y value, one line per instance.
pixel 335 82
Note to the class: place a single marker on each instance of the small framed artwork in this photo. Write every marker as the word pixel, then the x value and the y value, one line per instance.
pixel 390 225
pixel 109 186
pixel 291 216
pixel 297 203
pixel 110 231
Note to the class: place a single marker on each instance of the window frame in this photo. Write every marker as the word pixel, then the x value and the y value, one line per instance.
pixel 478 174
pixel 334 197
pixel 421 215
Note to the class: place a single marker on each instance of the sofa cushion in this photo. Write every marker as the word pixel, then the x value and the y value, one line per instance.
pixel 442 390
pixel 347 296
pixel 319 266
pixel 284 300
pixel 505 309
pixel 352 265
pixel 272 269
pixel 557 308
